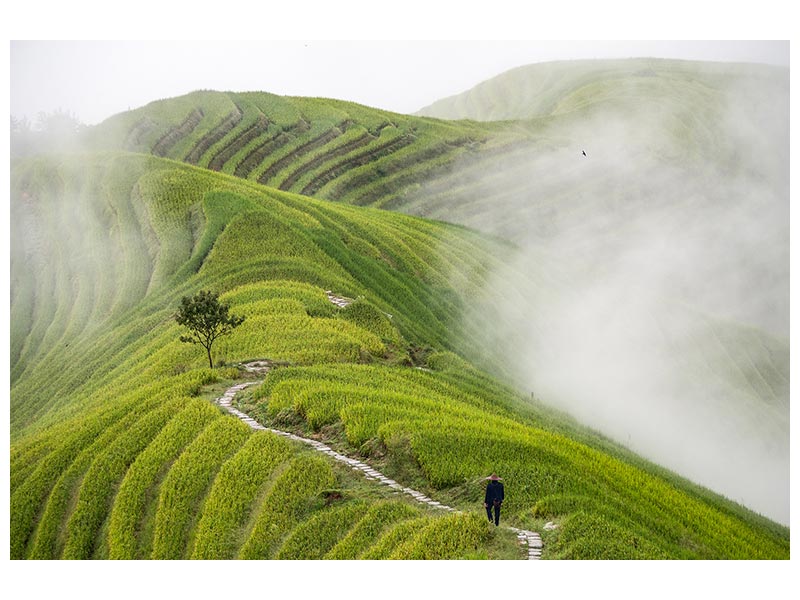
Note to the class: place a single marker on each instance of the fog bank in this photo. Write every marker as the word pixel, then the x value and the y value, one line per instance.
pixel 649 296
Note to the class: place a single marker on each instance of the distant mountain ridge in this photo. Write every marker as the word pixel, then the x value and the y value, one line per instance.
pixel 551 88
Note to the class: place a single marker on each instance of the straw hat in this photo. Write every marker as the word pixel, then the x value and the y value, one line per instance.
pixel 494 477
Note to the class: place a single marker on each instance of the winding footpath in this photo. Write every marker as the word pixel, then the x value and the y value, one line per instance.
pixel 531 539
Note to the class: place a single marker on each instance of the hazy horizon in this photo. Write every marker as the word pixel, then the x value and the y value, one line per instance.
pixel 94 80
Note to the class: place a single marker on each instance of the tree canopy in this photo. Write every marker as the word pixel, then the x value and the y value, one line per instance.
pixel 207 319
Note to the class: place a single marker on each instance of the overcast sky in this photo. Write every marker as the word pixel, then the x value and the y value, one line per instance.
pixel 96 79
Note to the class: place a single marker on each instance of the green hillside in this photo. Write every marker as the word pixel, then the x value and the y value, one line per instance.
pixel 324 148
pixel 118 452
pixel 527 125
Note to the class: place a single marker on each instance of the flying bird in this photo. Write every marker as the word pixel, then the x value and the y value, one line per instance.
pixel 584 152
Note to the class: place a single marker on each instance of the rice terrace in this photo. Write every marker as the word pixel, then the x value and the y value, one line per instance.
pixel 573 275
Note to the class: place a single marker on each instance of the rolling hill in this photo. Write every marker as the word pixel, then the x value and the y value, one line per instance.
pixel 117 451
pixel 328 149
pixel 116 454
pixel 554 88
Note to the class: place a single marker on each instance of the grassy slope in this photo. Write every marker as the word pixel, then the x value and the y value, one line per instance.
pixel 80 489
pixel 511 130
pixel 114 455
pixel 325 148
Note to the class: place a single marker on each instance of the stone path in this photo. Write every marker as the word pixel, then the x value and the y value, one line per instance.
pixel 531 539
pixel 339 301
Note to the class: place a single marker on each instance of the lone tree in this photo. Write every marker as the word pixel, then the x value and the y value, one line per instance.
pixel 207 319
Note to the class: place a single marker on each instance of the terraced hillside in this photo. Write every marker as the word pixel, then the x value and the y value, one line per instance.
pixel 513 142
pixel 323 148
pixel 118 452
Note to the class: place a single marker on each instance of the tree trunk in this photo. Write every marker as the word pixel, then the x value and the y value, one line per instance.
pixel 210 364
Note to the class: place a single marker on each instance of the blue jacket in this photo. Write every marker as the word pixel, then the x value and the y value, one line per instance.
pixel 494 491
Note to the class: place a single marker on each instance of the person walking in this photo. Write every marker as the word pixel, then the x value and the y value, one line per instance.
pixel 494 498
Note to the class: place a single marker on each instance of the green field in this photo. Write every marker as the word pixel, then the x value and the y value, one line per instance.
pixel 117 451
pixel 120 454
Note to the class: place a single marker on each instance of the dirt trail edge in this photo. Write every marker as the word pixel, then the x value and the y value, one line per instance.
pixel 531 539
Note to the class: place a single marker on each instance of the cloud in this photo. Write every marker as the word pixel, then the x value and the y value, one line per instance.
pixel 649 295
